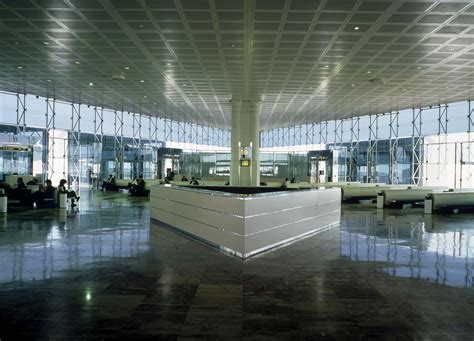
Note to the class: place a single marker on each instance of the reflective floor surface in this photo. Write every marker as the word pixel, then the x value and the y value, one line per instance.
pixel 103 271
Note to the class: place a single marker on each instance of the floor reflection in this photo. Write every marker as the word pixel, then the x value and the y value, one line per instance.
pixel 42 244
pixel 411 244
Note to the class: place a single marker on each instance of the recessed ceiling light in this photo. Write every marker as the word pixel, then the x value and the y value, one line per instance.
pixel 356 28
pixel 184 84
pixel 144 96
pixel 16 43
pixel 419 67
pixel 326 66
pixel 127 68
pixel 48 80
pixel 91 84
pixel 77 62
pixel 369 71
pixel 142 81
pixel 352 84
pixel 45 43
pixel 404 89
pixel 154 103
pixel 233 45
pixel 169 64
pixel 20 67
pixel 310 87
pixel 141 25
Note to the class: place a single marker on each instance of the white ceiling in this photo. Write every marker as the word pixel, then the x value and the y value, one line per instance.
pixel 304 59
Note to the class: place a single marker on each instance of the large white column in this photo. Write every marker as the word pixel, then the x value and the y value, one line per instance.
pixel 245 133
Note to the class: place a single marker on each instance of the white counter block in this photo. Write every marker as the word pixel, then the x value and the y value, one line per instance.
pixel 245 224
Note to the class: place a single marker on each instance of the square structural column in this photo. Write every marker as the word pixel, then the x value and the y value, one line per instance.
pixel 245 144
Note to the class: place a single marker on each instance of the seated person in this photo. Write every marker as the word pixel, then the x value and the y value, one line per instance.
pixel 110 184
pixel 44 192
pixel 70 194
pixel 293 180
pixel 193 181
pixel 184 178
pixel 133 183
pixel 171 176
pixel 227 183
pixel 284 184
pixel 20 192
pixel 49 190
pixel 33 182
pixel 139 188
pixel 262 183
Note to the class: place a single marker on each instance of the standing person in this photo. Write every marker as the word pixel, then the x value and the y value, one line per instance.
pixel 70 194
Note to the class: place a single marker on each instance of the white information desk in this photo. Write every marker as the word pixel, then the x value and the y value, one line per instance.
pixel 245 224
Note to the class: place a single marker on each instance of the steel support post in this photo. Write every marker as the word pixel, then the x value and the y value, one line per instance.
pixel 75 145
pixel 323 133
pixel 393 152
pixel 20 114
pixel 136 144
pixel 417 144
pixel 442 141
pixel 205 134
pixel 372 148
pixel 181 132
pixel 338 133
pixel 297 135
pixel 168 130
pixel 98 139
pixel 48 165
pixel 118 140
pixel 353 171
pixel 309 134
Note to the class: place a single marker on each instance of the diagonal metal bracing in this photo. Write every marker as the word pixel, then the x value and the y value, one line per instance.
pixel 98 138
pixel 417 147
pixel 353 169
pixel 50 125
pixel 118 142
pixel 323 133
pixel 442 141
pixel 393 148
pixel 372 148
pixel 136 144
pixel 20 114
pixel 75 145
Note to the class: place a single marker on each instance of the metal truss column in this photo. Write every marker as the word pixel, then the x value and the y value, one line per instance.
pixel 393 151
pixel 98 139
pixel 442 141
pixel 323 133
pixel 353 170
pixel 136 144
pixel 168 130
pixel 309 134
pixel 181 132
pixel 153 130
pixel 470 129
pixel 75 145
pixel 48 165
pixel 372 148
pixel 417 152
pixel 20 114
pixel 118 141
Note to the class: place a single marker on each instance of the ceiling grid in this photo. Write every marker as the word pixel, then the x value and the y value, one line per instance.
pixel 186 59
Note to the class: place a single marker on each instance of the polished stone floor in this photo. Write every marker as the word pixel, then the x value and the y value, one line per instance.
pixel 103 271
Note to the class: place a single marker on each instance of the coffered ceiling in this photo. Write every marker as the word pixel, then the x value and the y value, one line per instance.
pixel 305 60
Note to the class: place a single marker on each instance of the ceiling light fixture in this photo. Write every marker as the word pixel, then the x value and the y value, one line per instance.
pixel 144 96
pixel 326 66
pixel 48 80
pixel 154 103
pixel 419 67
pixel 142 81
pixel 19 67
pixel 168 64
pixel 369 71
pixel 77 62
pixel 127 68
pixel 45 43
pixel 352 84
pixel 184 84
pixel 233 45
pixel 91 84
pixel 356 28
pixel 404 89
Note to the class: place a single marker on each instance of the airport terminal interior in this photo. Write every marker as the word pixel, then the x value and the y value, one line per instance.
pixel 237 169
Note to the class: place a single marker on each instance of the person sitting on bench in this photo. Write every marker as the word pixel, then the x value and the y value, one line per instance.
pixel 21 193
pixel 70 194
pixel 110 184
pixel 45 192
pixel 193 181
pixel 139 188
